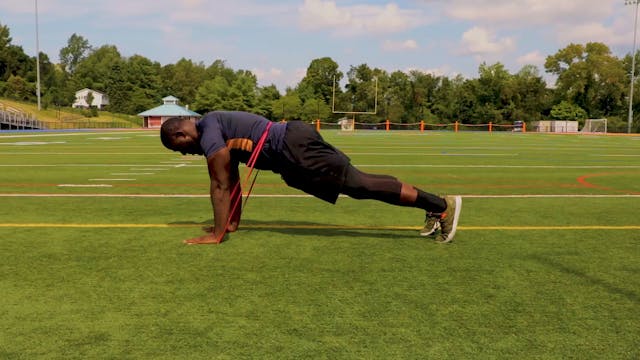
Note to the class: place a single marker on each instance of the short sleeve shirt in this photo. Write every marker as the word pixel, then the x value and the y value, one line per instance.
pixel 240 132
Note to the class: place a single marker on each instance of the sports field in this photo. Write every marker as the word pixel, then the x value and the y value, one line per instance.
pixel 545 264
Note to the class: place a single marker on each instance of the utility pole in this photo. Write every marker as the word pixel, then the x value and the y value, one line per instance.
pixel 633 64
pixel 37 59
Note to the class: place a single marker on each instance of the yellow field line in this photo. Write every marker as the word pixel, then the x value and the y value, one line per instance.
pixel 320 227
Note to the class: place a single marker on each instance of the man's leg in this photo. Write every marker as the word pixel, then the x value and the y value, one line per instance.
pixel 360 185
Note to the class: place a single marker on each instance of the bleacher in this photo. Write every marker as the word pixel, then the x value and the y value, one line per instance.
pixel 14 119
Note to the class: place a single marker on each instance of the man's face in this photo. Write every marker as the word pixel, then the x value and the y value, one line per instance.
pixel 186 143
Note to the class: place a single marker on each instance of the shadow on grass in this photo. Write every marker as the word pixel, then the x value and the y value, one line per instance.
pixel 629 294
pixel 305 228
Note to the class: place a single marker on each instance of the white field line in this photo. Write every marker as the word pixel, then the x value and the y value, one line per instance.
pixel 91 133
pixel 112 179
pixel 147 169
pixel 357 165
pixel 84 165
pixel 83 153
pixel 523 196
pixel 620 155
pixel 430 154
pixel 131 174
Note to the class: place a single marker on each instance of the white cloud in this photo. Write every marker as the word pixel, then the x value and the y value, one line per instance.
pixel 358 19
pixel 481 42
pixel 532 58
pixel 281 78
pixel 529 11
pixel 439 71
pixel 590 32
pixel 390 45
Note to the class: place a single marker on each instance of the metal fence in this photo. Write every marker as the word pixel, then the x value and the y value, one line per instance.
pixel 13 120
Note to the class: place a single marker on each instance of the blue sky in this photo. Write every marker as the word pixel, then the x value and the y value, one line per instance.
pixel 278 39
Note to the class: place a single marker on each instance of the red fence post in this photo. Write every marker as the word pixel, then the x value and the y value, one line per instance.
pixel 387 125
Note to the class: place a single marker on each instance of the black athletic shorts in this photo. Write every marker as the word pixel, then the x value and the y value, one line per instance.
pixel 310 164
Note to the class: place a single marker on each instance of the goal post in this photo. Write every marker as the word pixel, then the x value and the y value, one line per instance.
pixel 594 126
pixel 349 124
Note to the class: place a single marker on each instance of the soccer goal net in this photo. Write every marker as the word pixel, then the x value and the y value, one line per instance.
pixel 598 126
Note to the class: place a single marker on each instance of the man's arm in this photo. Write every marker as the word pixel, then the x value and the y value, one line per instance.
pixel 237 212
pixel 222 178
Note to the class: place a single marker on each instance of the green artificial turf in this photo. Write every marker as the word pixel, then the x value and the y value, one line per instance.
pixel 87 273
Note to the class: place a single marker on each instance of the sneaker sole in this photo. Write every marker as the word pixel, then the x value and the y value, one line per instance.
pixel 456 217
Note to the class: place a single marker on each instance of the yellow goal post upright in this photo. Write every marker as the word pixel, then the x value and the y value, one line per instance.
pixel 348 125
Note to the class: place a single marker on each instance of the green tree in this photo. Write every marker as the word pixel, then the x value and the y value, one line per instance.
pixel 18 88
pixel 567 111
pixel 265 97
pixel 183 79
pixel 76 50
pixel 314 109
pixel 13 60
pixel 98 69
pixel 318 82
pixel 288 107
pixel 210 95
pixel 530 95
pixel 590 77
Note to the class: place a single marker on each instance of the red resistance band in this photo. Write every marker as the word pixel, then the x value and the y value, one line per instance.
pixel 236 195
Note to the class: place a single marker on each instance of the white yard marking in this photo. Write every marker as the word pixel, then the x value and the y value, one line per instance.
pixel 144 168
pixel 112 179
pixel 130 174
pixel 64 134
pixel 28 143
pixel 109 138
pixel 295 196
pixel 429 154
pixel 147 169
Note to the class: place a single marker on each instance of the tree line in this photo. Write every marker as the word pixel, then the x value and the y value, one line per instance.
pixel 591 83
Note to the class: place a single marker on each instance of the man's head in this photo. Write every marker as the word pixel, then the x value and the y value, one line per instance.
pixel 179 134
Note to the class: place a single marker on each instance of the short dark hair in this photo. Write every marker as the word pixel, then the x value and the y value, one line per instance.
pixel 168 129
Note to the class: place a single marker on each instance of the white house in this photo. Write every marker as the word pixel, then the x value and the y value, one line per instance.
pixel 99 99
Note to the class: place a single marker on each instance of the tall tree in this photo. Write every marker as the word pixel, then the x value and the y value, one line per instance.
pixel 590 76
pixel 77 49
pixel 266 96
pixel 183 79
pixel 318 82
pixel 98 68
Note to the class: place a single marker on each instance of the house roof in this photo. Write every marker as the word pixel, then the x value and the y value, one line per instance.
pixel 169 110
pixel 95 91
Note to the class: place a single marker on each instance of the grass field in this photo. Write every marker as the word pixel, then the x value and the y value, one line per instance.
pixel 545 265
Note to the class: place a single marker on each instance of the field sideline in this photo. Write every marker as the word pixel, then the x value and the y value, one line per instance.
pixel 545 263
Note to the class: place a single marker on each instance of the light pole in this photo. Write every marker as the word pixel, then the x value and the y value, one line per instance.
pixel 633 63
pixel 37 58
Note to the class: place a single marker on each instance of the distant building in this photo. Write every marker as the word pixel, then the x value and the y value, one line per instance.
pixel 99 99
pixel 154 118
